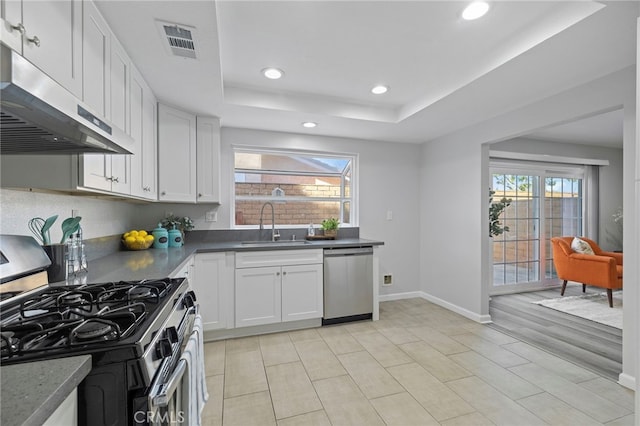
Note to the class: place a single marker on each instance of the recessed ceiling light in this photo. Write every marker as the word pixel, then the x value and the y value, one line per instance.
pixel 272 73
pixel 309 124
pixel 379 90
pixel 475 10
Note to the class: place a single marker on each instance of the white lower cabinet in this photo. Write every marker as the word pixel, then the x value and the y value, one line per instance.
pixel 258 296
pixel 67 413
pixel 302 292
pixel 280 286
pixel 212 281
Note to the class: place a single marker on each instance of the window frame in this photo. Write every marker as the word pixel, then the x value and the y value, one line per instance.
pixel 352 199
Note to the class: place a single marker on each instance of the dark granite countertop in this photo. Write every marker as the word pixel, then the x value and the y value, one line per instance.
pixel 159 263
pixel 32 391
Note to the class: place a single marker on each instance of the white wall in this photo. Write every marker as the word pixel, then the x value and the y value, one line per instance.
pixel 452 225
pixel 610 178
pixel 454 259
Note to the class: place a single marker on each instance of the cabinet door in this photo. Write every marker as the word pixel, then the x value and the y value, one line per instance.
pixel 258 296
pixel 302 292
pixel 208 162
pixel 119 87
pixel 143 131
pixel 176 155
pixel 149 162
pixel 96 69
pixel 136 123
pixel 95 171
pixel 10 17
pixel 121 174
pixel 209 281
pixel 58 27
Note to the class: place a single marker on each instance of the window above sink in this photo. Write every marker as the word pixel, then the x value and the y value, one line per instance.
pixel 304 187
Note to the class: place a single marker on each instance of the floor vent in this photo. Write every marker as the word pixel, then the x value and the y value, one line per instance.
pixel 180 40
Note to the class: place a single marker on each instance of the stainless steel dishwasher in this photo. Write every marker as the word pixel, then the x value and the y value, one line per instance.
pixel 348 284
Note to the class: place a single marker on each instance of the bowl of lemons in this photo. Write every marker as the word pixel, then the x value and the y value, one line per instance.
pixel 137 240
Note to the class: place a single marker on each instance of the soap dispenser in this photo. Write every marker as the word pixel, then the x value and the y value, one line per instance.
pixel 160 237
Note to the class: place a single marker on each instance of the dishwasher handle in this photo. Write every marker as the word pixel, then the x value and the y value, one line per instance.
pixel 353 251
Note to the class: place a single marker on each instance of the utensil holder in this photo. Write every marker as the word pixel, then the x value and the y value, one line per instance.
pixel 58 253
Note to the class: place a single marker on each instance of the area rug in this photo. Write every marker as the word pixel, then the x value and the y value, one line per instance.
pixel 593 306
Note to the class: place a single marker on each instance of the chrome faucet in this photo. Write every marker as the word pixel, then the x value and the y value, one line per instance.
pixel 275 235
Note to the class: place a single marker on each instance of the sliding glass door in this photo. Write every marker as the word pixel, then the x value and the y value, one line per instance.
pixel 532 204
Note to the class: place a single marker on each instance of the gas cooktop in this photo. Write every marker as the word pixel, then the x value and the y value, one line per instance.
pixel 58 321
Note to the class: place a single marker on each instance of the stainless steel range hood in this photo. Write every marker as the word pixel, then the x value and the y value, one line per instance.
pixel 38 116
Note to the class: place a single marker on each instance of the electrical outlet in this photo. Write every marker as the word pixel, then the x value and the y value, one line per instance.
pixel 387 280
pixel 211 216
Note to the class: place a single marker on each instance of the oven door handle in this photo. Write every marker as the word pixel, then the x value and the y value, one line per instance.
pixel 169 388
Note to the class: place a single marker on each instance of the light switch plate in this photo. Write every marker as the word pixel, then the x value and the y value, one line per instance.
pixel 211 216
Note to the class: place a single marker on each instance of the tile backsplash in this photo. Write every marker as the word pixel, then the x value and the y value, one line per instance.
pixel 100 217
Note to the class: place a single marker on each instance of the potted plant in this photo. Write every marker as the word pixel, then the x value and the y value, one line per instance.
pixel 330 227
pixel 495 210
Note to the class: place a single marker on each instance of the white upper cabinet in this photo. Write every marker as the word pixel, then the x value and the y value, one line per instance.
pixel 208 159
pixel 105 172
pixel 106 70
pixel 188 157
pixel 119 74
pixel 96 61
pixel 48 34
pixel 176 155
pixel 143 131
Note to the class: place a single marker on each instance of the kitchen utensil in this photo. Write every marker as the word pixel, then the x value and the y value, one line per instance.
pixel 35 226
pixel 40 228
pixel 45 228
pixel 69 226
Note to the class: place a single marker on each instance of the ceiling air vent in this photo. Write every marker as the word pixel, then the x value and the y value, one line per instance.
pixel 180 40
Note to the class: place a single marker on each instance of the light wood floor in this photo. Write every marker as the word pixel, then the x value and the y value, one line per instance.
pixel 419 365
pixel 591 345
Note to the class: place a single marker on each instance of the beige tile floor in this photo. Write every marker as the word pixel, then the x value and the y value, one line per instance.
pixel 419 365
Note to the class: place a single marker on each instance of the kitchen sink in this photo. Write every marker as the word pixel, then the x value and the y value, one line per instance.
pixel 277 242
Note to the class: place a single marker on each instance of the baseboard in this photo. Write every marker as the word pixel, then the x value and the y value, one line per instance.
pixel 483 319
pixel 627 381
pixel 399 296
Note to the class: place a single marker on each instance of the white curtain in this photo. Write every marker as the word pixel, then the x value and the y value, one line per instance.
pixel 592 202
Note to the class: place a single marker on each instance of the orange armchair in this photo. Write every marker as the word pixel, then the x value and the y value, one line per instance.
pixel 601 269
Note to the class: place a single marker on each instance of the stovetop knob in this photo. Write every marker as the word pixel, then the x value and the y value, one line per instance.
pixel 172 334
pixel 163 348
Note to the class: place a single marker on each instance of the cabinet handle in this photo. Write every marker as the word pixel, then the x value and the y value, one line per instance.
pixel 284 273
pixel 115 179
pixel 19 28
pixel 35 40
pixel 277 274
pixel 199 195
pixel 163 193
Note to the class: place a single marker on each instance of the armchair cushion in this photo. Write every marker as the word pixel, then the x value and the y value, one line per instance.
pixel 581 246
